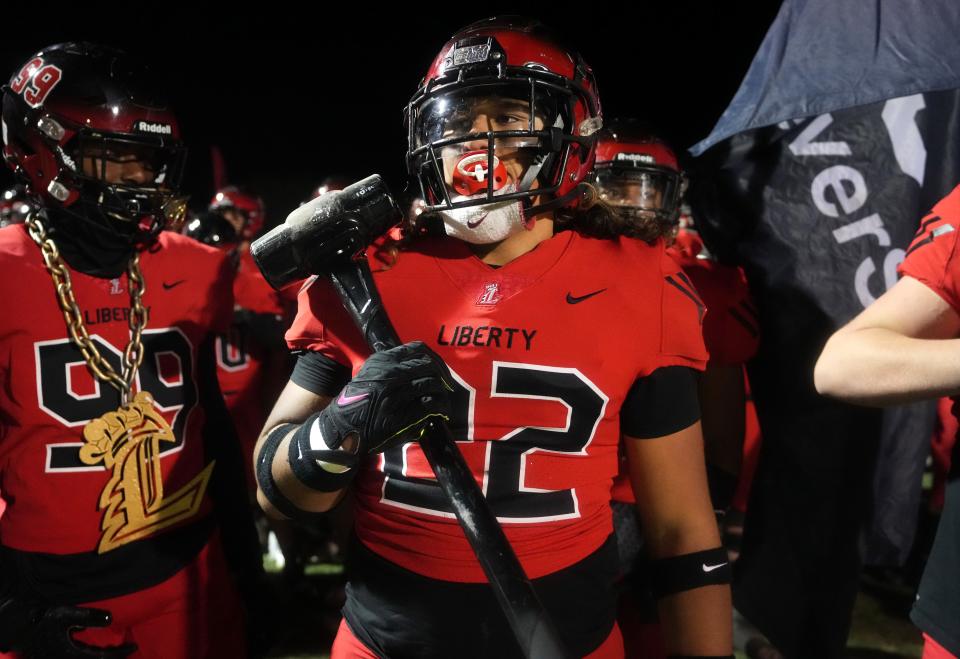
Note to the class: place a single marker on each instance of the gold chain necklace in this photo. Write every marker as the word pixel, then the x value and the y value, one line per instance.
pixel 100 367
pixel 129 441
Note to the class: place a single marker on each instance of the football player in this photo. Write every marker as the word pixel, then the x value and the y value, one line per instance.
pixel 542 330
pixel 244 211
pixel 251 361
pixel 640 175
pixel 903 348
pixel 119 463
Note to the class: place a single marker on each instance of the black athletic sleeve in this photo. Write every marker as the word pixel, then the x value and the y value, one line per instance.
pixel 661 403
pixel 319 374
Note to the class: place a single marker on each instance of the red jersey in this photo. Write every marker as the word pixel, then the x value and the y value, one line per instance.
pixel 544 351
pixel 241 360
pixel 932 256
pixel 932 260
pixel 731 329
pixel 48 396
pixel 252 292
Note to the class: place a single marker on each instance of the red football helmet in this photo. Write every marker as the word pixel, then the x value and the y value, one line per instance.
pixel 250 208
pixel 211 228
pixel 76 111
pixel 546 117
pixel 638 173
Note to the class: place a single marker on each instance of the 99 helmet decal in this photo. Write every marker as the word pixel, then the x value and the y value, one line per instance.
pixel 503 114
pixel 74 117
pixel 638 173
pixel 249 208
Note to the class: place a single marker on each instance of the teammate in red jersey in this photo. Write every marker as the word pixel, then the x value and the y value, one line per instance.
pixel 558 331
pixel 251 362
pixel 117 456
pixel 640 174
pixel 903 348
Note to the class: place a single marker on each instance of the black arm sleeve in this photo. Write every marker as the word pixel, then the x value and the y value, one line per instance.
pixel 319 374
pixel 661 403
pixel 228 487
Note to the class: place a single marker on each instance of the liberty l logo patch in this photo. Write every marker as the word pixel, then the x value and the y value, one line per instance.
pixel 127 441
pixel 491 295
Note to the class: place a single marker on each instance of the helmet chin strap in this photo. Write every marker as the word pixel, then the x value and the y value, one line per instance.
pixel 555 203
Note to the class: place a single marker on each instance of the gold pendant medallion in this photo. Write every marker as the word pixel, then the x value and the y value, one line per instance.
pixel 128 443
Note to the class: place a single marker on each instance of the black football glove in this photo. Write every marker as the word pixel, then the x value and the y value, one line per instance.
pixel 384 406
pixel 38 632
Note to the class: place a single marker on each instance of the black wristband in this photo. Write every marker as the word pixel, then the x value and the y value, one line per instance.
pixel 675 574
pixel 303 461
pixel 269 487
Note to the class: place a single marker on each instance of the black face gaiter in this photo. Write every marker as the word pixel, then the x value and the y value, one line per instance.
pixel 87 246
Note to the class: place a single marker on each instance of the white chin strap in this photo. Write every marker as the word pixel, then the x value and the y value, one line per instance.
pixel 485 224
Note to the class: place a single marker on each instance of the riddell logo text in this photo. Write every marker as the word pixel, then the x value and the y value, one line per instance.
pixel 147 127
pixel 636 157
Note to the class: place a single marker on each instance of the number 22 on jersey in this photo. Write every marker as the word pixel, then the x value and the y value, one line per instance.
pixel 505 459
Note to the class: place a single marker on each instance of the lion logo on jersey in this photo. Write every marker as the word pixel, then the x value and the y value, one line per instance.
pixel 127 441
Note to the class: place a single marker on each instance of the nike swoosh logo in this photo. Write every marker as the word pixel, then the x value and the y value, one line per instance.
pixel 577 300
pixel 167 286
pixel 474 225
pixel 346 400
pixel 711 568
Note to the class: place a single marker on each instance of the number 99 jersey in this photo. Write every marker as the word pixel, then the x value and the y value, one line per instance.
pixel 59 503
pixel 544 351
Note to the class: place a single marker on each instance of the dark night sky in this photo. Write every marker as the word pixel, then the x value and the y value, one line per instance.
pixel 292 94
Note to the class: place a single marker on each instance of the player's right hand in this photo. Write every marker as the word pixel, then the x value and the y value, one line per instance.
pixel 36 631
pixel 389 400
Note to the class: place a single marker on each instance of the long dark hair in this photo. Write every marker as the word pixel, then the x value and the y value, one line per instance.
pixel 596 218
pixel 592 217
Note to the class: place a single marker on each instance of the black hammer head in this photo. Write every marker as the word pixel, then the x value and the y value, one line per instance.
pixel 326 233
